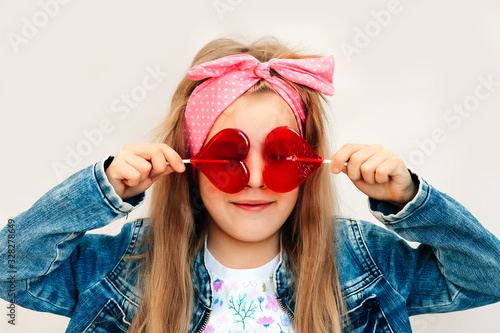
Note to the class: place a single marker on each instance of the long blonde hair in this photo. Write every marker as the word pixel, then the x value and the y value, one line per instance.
pixel 178 227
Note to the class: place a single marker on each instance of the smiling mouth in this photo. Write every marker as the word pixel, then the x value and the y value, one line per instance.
pixel 253 206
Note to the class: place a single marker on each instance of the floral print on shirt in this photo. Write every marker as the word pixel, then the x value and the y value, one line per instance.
pixel 247 306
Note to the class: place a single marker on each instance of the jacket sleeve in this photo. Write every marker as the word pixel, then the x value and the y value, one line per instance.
pixel 455 267
pixel 48 247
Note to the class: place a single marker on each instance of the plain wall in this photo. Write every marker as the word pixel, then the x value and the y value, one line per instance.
pixel 403 69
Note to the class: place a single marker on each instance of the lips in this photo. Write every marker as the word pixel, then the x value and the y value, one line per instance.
pixel 252 205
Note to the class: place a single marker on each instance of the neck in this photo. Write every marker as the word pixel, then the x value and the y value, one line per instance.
pixel 238 254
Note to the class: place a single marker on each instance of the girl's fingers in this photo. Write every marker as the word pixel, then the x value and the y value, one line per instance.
pixel 151 160
pixel 390 167
pixel 138 165
pixel 376 171
pixel 141 165
pixel 123 172
pixel 159 163
pixel 371 171
pixel 343 155
pixel 366 163
pixel 159 154
pixel 356 155
pixel 173 158
pixel 357 159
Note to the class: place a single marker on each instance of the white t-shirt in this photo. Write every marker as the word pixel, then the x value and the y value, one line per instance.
pixel 245 300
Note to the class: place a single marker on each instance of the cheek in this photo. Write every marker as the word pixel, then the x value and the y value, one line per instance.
pixel 288 201
pixel 209 193
pixel 292 197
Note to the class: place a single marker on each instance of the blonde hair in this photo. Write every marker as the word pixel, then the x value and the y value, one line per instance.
pixel 178 228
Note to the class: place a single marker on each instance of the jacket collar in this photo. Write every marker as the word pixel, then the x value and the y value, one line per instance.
pixel 202 280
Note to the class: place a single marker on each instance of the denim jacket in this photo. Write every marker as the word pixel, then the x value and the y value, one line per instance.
pixel 59 268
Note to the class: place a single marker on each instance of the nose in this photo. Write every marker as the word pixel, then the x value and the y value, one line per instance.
pixel 255 163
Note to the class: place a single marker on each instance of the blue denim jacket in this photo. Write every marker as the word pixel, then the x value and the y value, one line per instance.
pixel 61 269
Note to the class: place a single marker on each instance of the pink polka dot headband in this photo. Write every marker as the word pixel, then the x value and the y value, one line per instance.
pixel 231 76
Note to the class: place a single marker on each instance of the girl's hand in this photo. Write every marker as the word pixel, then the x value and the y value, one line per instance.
pixel 138 165
pixel 377 172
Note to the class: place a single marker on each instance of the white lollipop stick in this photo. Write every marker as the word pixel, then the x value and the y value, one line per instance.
pixel 330 162
pixel 301 159
pixel 188 161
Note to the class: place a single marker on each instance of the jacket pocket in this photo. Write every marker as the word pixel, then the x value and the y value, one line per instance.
pixel 367 317
pixel 109 320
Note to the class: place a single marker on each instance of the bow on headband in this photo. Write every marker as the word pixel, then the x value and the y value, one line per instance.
pixel 232 76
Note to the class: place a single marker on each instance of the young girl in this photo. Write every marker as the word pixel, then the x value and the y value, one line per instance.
pixel 248 242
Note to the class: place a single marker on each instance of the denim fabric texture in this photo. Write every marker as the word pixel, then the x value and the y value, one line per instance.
pixel 63 270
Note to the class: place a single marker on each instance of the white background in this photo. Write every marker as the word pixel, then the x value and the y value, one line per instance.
pixel 398 76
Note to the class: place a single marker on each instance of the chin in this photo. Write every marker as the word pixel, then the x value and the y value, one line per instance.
pixel 253 237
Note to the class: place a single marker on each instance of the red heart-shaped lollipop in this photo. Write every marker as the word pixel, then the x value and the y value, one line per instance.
pixel 289 160
pixel 221 158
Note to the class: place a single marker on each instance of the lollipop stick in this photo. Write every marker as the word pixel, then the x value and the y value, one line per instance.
pixel 330 162
pixel 302 159
pixel 188 161
pixel 209 161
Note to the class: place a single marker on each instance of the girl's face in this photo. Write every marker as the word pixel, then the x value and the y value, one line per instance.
pixel 256 213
